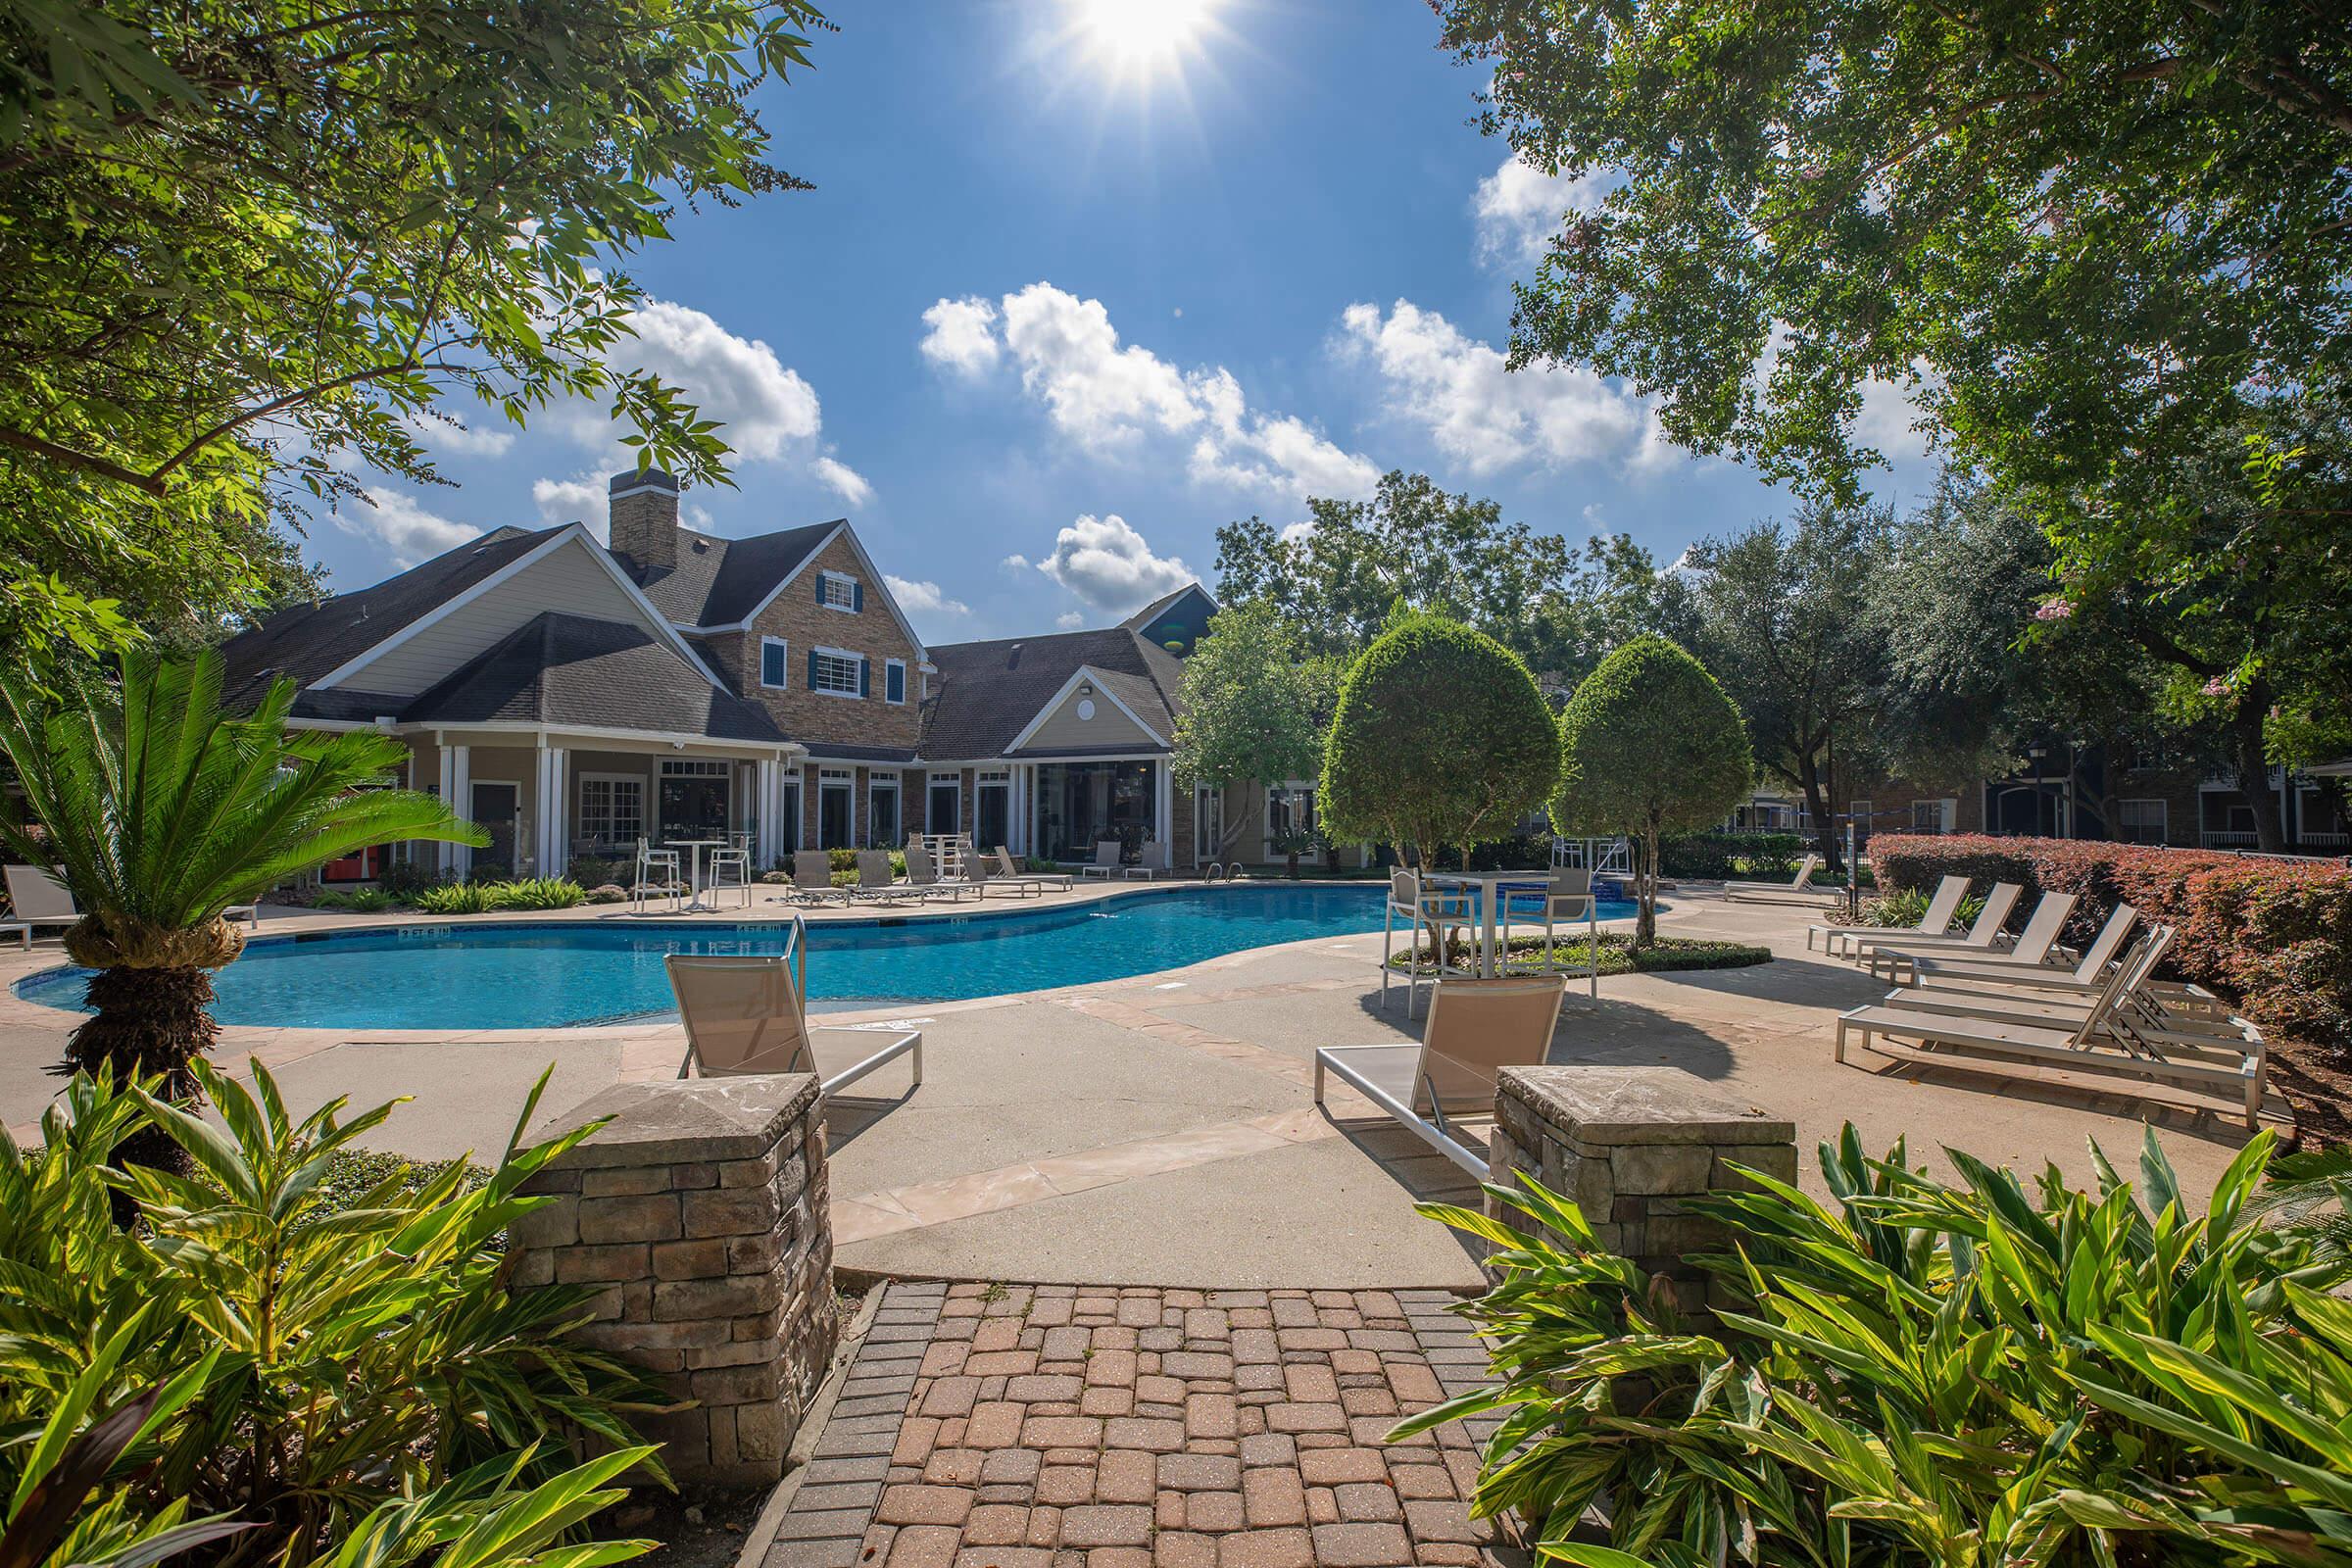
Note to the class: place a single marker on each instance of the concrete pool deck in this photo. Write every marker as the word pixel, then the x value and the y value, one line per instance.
pixel 1159 1130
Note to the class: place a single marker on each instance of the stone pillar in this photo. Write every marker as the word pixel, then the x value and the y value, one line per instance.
pixel 1630 1146
pixel 700 1208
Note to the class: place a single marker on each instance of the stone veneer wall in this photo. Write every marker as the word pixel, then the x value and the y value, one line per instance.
pixel 700 1208
pixel 1630 1146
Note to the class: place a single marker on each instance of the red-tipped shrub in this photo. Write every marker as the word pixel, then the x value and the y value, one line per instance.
pixel 2273 935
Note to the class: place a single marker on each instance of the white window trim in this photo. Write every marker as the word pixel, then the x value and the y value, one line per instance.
pixel 829 577
pixel 644 798
pixel 860 659
pixel 898 664
pixel 784 642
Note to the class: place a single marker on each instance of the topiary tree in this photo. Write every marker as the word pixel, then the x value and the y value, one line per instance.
pixel 1440 737
pixel 1649 745
pixel 1249 699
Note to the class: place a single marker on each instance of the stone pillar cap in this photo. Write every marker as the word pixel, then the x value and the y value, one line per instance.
pixel 1622 1105
pixel 686 1119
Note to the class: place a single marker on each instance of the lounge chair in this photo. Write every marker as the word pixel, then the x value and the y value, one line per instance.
pixel 1799 891
pixel 1147 861
pixel 748 1015
pixel 2088 974
pixel 1106 863
pixel 922 875
pixel 1938 919
pixel 876 880
pixel 2100 1035
pixel 2031 946
pixel 1475 1029
pixel 812 878
pixel 978 877
pixel 1006 871
pixel 1890 951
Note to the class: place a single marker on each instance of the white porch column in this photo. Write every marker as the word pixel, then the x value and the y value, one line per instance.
pixel 770 798
pixel 1163 814
pixel 1017 790
pixel 457 790
pixel 548 835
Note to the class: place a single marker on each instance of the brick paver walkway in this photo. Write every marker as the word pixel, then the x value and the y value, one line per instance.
pixel 1082 1427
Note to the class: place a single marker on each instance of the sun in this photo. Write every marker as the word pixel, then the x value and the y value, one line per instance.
pixel 1139 37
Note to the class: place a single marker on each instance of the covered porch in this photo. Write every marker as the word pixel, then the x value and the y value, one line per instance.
pixel 550 797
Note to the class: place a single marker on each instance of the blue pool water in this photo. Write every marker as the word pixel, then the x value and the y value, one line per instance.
pixel 524 975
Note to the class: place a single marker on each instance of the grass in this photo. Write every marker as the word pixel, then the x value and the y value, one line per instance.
pixel 1617 956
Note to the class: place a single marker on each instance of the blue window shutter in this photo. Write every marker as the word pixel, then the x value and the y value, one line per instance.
pixel 812 670
pixel 820 587
pixel 894 682
pixel 858 597
pixel 865 677
pixel 774 662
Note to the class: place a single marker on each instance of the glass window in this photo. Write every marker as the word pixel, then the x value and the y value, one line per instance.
pixel 1081 803
pixel 1926 816
pixel 611 809
pixel 774 662
pixel 840 593
pixel 2141 821
pixel 839 673
pixel 882 813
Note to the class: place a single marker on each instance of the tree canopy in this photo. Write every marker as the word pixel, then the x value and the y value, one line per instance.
pixel 1649 744
pixel 1252 707
pixel 1439 738
pixel 253 249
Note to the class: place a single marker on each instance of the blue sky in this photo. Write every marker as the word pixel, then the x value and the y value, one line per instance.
pixel 1054 314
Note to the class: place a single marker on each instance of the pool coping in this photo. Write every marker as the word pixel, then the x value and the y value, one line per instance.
pixel 15 973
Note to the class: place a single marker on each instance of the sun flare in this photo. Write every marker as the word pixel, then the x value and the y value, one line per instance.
pixel 1140 36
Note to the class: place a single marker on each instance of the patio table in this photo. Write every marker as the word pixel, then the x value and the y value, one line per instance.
pixel 1492 886
pixel 694 877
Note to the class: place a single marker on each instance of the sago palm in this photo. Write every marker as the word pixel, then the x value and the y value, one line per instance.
pixel 161 812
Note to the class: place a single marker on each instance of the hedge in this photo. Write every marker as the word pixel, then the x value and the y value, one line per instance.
pixel 2274 935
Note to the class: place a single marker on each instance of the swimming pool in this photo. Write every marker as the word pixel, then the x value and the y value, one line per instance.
pixel 538 975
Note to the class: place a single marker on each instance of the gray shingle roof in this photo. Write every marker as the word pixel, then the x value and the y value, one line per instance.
pixel 307 641
pixel 987 692
pixel 717 582
pixel 570 669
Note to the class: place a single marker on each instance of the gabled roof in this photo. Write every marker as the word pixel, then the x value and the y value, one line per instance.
pixel 987 694
pixel 1142 619
pixel 720 582
pixel 307 641
pixel 571 670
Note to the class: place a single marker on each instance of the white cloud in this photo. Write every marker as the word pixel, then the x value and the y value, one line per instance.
pixel 1519 207
pixel 1015 563
pixel 1887 420
pixel 1070 621
pixel 924 595
pixel 408 532
pixel 962 336
pixel 1112 398
pixel 767 412
pixel 1110 565
pixel 582 497
pixel 443 432
pixel 1478 413
pixel 844 480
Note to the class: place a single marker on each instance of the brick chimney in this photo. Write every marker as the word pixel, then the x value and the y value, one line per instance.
pixel 645 520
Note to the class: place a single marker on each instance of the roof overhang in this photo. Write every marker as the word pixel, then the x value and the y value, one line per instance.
pixel 1080 676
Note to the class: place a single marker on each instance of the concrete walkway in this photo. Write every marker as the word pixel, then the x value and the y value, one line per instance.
pixel 1161 1130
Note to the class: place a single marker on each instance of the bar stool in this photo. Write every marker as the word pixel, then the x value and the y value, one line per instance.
pixel 732 860
pixel 1439 911
pixel 1566 898
pixel 652 862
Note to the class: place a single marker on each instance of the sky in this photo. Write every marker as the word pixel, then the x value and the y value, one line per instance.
pixel 1065 299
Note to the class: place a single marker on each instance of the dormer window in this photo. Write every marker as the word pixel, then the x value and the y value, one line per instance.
pixel 839 591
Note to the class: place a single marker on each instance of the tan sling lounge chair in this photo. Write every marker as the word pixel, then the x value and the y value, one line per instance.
pixel 875 881
pixel 2032 948
pixel 1475 1029
pixel 812 877
pixel 747 1014
pixel 40 898
pixel 1891 951
pixel 1938 919
pixel 922 875
pixel 1106 863
pixel 1799 891
pixel 2111 1034
pixel 2014 968
pixel 1006 871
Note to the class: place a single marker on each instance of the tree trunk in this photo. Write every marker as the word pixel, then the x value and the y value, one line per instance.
pixel 154 1021
pixel 1646 892
pixel 1825 831
pixel 2253 768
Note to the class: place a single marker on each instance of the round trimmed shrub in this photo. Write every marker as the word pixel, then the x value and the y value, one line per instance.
pixel 1439 738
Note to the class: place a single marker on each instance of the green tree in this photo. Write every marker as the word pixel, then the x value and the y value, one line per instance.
pixel 1249 706
pixel 254 248
pixel 161 813
pixel 1649 744
pixel 1439 738
pixel 1784 623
